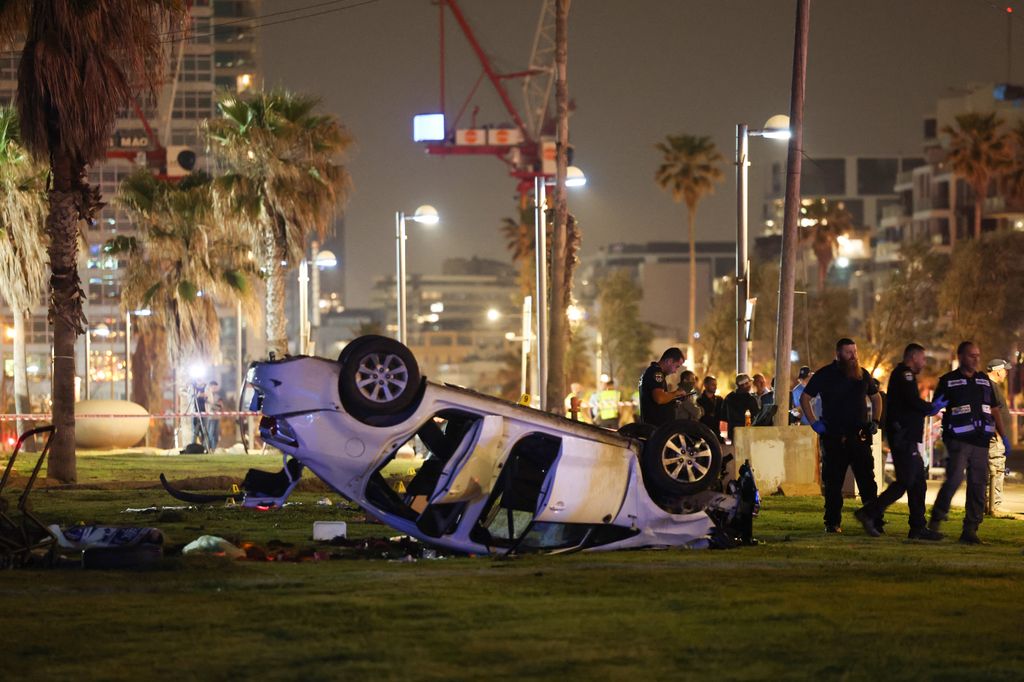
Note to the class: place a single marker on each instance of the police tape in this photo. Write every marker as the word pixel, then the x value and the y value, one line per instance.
pixel 165 415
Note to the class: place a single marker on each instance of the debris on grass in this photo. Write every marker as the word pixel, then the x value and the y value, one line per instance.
pixel 211 545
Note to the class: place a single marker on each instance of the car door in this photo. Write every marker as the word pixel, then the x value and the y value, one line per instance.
pixel 474 469
pixel 587 483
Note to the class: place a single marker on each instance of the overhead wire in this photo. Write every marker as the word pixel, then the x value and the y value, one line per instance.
pixel 253 22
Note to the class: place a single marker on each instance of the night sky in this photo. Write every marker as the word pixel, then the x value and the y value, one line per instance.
pixel 638 70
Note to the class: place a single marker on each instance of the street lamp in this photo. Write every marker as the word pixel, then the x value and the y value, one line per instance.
pixel 425 215
pixel 540 240
pixel 103 331
pixel 322 260
pixel 775 128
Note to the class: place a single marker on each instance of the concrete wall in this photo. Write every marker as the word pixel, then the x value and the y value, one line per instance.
pixel 787 457
pixel 782 457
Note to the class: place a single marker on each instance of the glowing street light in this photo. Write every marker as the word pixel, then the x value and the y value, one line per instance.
pixel 775 128
pixel 424 215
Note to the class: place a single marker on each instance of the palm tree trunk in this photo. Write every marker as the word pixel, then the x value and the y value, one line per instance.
pixel 150 374
pixel 979 201
pixel 67 197
pixel 557 323
pixel 21 397
pixel 691 215
pixel 276 329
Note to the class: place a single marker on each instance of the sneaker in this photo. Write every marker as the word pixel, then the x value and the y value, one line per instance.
pixel 865 520
pixel 833 529
pixel 935 524
pixel 924 534
pixel 970 537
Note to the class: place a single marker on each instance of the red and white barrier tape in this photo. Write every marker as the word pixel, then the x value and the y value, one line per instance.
pixel 165 415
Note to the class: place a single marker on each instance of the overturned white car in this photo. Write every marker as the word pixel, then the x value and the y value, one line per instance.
pixel 490 477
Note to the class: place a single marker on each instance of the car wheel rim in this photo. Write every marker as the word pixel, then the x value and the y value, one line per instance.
pixel 381 378
pixel 686 460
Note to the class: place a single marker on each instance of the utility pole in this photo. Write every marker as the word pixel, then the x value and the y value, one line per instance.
pixel 791 213
pixel 557 323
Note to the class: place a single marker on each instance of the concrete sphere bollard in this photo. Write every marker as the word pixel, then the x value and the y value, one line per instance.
pixel 109 432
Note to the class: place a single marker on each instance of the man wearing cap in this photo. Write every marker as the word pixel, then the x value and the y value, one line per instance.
pixel 844 429
pixel 802 378
pixel 997 450
pixel 739 403
pixel 904 425
pixel 969 423
pixel 656 401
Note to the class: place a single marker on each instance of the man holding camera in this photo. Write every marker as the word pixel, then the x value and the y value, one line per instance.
pixel 844 428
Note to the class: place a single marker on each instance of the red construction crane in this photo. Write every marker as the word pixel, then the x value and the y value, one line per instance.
pixel 526 143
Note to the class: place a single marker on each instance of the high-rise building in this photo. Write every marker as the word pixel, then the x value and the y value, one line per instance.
pixel 220 51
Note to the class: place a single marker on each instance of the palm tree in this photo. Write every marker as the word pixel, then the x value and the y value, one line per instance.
pixel 81 63
pixel 185 262
pixel 519 238
pixel 828 220
pixel 281 180
pixel 22 242
pixel 978 151
pixel 182 265
pixel 691 165
pixel 1012 179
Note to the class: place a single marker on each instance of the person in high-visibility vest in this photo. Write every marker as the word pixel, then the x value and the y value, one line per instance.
pixel 604 405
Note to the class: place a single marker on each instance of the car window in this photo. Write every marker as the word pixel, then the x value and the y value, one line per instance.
pixel 403 483
pixel 510 509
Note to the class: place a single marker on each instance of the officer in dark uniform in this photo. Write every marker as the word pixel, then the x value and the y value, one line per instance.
pixel 844 428
pixel 656 401
pixel 904 426
pixel 969 423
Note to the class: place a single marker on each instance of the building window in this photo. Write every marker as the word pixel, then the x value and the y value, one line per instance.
pixel 192 105
pixel 201 32
pixel 196 68
pixel 9 67
pixel 233 60
pixel 876 176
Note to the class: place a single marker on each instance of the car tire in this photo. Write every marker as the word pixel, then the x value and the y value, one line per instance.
pixel 379 376
pixel 681 457
pixel 637 430
pixel 352 345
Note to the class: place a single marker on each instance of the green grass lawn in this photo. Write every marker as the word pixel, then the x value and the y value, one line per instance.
pixel 802 605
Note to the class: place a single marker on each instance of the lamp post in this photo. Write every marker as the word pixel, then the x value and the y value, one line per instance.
pixel 321 261
pixel 776 128
pixel 425 215
pixel 103 331
pixel 526 339
pixel 574 178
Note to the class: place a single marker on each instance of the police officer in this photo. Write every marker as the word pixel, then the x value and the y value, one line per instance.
pixel 997 451
pixel 604 405
pixel 656 401
pixel 904 426
pixel 970 421
pixel 843 427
